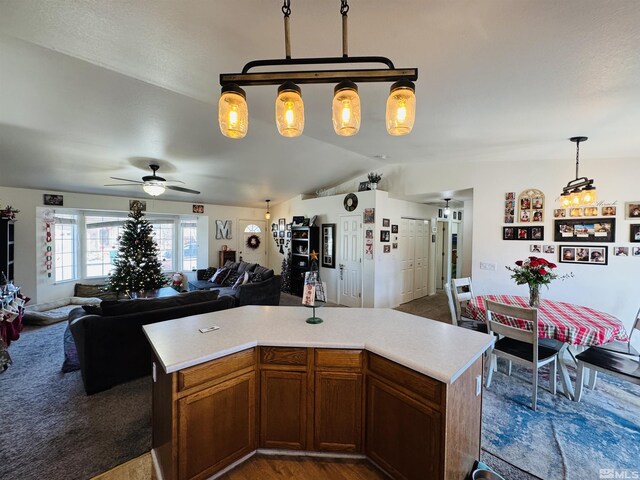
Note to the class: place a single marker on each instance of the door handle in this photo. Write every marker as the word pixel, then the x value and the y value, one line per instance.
pixel 341 270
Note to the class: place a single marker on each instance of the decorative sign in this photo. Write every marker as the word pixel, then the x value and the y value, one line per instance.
pixel 223 229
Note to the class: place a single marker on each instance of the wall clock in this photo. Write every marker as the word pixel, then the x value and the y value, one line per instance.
pixel 350 202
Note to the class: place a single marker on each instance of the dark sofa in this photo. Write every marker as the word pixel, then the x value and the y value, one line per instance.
pixel 262 287
pixel 111 345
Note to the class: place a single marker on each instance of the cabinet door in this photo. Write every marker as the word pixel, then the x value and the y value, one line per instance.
pixel 283 409
pixel 338 412
pixel 403 435
pixel 216 426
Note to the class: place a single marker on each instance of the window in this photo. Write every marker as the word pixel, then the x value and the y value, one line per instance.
pixel 252 229
pixel 189 245
pixel 87 243
pixel 101 243
pixel 66 247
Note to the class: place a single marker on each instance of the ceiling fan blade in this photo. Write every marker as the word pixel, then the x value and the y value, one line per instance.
pixel 126 180
pixel 182 189
pixel 174 181
pixel 118 185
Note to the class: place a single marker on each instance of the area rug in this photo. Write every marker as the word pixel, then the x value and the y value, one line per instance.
pixel 51 429
pixel 562 440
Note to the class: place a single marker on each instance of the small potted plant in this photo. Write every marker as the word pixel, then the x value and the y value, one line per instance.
pixel 374 179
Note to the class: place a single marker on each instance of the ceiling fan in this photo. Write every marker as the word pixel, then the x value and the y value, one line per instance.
pixel 153 184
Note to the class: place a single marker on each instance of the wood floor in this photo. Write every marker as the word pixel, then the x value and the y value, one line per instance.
pixel 264 467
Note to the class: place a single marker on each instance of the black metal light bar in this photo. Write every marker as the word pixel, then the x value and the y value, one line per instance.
pixel 390 74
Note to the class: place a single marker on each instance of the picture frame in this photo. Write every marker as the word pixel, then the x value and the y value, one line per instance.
pixel 535 248
pixel 305 222
pixel 328 245
pixel 583 254
pixel 297 220
pixel 439 213
pixel 394 228
pixel 282 223
pixel 386 222
pixel 608 211
pixel 585 230
pixel 632 210
pixel 621 251
pixel 369 215
pixel 635 251
pixel 386 248
pixel 133 205
pixel 364 186
pixel 634 233
pixel 549 249
pixel 282 241
pixel 531 205
pixel 53 200
pixel 368 234
pixel 559 213
pixel 455 215
pixel 385 236
pixel 459 215
pixel 523 233
pixel 281 233
pixel 394 245
pixel 197 208
pixel 274 227
pixel 275 234
pixel 508 233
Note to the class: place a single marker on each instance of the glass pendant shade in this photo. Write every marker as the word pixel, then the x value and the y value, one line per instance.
pixel 267 215
pixel 289 110
pixel 153 188
pixel 401 108
pixel 233 114
pixel 565 200
pixel 346 109
pixel 588 196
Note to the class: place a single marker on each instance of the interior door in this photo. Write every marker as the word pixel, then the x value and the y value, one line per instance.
pixel 407 248
pixel 350 273
pixel 421 270
pixel 442 254
pixel 246 229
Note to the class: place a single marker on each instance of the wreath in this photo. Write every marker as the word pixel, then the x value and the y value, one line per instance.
pixel 253 242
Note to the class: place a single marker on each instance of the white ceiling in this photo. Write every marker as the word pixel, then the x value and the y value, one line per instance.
pixel 92 89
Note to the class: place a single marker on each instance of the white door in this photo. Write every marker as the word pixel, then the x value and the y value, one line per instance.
pixel 442 254
pixel 407 247
pixel 350 272
pixel 421 270
pixel 247 229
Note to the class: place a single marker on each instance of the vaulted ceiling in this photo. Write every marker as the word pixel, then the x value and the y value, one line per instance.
pixel 96 88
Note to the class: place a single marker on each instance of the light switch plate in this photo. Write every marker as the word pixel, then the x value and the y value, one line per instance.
pixel 488 266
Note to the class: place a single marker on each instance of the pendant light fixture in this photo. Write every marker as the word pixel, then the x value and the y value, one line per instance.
pixel 346 117
pixel 580 191
pixel 447 210
pixel 267 215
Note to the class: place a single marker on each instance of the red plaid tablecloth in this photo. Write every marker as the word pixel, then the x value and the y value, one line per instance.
pixel 566 322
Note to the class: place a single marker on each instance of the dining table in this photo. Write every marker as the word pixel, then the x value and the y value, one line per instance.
pixel 569 323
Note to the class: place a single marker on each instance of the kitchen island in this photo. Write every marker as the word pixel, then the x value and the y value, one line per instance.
pixel 402 390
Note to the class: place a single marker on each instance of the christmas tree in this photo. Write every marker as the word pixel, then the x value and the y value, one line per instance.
pixel 137 268
pixel 286 272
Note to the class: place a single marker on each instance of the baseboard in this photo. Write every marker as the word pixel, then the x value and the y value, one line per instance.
pixel 304 453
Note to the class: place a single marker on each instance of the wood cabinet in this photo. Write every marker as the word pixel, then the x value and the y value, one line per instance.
pixel 304 240
pixel 224 255
pixel 208 416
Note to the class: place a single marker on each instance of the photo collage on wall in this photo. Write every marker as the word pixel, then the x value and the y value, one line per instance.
pixel 369 219
pixel 583 254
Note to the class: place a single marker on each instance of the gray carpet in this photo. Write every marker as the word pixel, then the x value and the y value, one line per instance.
pixel 51 429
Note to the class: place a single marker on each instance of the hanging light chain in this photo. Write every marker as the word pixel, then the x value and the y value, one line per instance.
pixel 577 156
pixel 344 9
pixel 286 10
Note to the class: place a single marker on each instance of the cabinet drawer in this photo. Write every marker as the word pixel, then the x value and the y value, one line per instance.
pixel 332 358
pixel 218 368
pixel 415 383
pixel 289 356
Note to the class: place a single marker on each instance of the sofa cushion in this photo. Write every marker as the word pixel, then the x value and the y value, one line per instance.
pixel 255 277
pixel 242 279
pixel 93 309
pixel 55 311
pixel 93 290
pixel 231 264
pixel 206 273
pixel 265 272
pixel 125 307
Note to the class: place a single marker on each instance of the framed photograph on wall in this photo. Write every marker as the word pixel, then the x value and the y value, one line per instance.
pixel 508 233
pixel 586 255
pixel 54 200
pixel 634 233
pixel 387 248
pixel 282 223
pixel 386 222
pixel 385 236
pixel 632 210
pixel 585 230
pixel 369 215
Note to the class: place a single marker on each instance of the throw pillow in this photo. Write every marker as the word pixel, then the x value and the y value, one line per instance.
pixel 207 273
pixel 242 279
pixel 256 277
pixel 231 279
pixel 265 272
pixel 220 275
pixel 242 266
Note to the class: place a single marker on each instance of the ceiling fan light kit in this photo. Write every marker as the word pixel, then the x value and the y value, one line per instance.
pixel 580 191
pixel 153 184
pixel 233 113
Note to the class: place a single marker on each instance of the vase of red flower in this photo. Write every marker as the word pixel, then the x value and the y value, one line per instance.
pixel 535 271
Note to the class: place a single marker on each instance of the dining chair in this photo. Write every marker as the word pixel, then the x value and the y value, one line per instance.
pixel 462 292
pixel 599 360
pixel 457 319
pixel 521 346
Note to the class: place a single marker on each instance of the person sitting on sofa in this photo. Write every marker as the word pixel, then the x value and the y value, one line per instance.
pixel 247 283
pixel 111 346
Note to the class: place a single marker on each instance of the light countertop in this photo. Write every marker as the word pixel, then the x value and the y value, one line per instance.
pixel 433 348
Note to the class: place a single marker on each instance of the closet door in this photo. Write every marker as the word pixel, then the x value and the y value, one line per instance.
pixel 407 252
pixel 421 271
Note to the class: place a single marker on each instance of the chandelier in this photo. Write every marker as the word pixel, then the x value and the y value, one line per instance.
pixel 447 209
pixel 267 214
pixel 233 113
pixel 581 190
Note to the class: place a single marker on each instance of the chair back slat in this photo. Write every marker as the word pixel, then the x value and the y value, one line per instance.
pixel 452 308
pixel 459 296
pixel 528 314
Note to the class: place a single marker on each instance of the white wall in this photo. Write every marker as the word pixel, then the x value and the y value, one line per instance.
pixel 29 253
pixel 613 288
